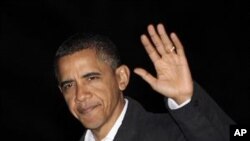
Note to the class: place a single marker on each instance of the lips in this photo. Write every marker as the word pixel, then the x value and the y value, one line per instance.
pixel 86 109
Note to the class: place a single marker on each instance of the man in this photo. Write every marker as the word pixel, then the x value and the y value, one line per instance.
pixel 92 80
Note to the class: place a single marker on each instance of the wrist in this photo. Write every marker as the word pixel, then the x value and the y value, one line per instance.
pixel 181 99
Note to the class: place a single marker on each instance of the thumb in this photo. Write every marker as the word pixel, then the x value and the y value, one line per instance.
pixel 145 75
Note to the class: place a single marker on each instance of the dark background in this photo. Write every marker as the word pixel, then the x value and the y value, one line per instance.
pixel 215 36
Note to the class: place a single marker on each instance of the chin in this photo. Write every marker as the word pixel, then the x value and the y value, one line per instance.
pixel 93 124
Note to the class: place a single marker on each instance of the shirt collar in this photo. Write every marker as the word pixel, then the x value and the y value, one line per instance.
pixel 111 135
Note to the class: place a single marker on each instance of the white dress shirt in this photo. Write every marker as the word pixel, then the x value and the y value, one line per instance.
pixel 111 135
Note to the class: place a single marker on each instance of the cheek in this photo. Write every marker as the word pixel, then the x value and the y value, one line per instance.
pixel 106 93
pixel 73 109
pixel 69 100
pixel 111 94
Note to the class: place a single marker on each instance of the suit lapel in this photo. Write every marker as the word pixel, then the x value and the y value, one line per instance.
pixel 128 131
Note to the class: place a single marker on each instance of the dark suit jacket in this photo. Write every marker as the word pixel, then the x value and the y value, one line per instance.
pixel 200 120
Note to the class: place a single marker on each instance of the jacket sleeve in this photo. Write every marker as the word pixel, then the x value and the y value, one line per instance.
pixel 202 119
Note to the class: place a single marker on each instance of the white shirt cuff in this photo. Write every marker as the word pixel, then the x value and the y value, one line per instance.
pixel 173 105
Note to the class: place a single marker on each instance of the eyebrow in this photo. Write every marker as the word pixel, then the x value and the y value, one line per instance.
pixel 91 74
pixel 84 76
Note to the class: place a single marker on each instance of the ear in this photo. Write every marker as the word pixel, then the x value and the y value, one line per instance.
pixel 122 75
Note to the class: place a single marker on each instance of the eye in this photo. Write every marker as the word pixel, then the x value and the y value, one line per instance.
pixel 67 86
pixel 92 77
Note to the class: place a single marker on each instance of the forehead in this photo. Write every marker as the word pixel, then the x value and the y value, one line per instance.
pixel 86 57
pixel 85 54
pixel 82 61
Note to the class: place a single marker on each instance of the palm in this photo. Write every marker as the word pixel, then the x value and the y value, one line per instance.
pixel 173 75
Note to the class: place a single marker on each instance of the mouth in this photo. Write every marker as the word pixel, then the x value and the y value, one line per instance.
pixel 86 109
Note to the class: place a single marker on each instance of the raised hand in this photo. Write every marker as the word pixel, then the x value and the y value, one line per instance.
pixel 173 78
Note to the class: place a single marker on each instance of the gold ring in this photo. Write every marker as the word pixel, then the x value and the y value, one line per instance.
pixel 172 49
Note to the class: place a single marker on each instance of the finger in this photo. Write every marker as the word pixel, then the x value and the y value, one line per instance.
pixel 153 55
pixel 145 75
pixel 156 40
pixel 178 44
pixel 164 37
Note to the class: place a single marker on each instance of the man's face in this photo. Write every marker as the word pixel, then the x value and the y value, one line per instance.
pixel 91 89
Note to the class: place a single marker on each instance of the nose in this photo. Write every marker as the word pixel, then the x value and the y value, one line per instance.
pixel 82 93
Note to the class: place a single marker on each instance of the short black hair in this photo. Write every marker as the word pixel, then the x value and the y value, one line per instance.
pixel 106 50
